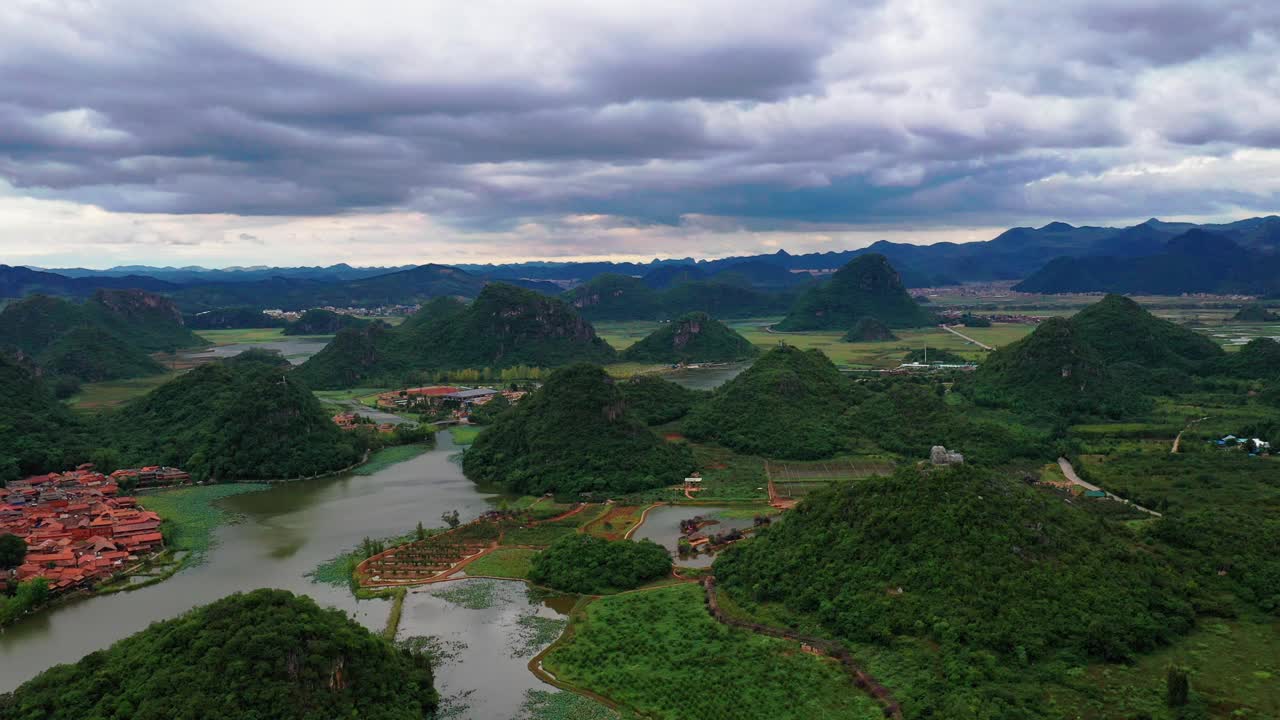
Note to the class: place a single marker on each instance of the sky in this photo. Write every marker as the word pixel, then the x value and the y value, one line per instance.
pixel 284 132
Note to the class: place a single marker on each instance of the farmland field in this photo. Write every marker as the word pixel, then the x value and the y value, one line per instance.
pixel 114 393
pixel 661 653
pixel 504 562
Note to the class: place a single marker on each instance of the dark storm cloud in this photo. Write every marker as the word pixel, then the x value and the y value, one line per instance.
pixel 818 112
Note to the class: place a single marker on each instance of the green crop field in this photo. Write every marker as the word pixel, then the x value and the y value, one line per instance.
pixel 242 335
pixel 504 562
pixel 660 653
pixel 114 393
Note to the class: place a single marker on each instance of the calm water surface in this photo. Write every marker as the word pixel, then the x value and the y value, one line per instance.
pixel 296 349
pixel 286 532
pixel 662 526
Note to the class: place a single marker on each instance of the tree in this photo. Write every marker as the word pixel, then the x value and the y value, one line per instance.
pixel 450 517
pixel 13 550
pixel 1177 686
pixel 420 533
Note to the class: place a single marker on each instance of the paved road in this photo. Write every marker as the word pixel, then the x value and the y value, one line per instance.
pixel 953 331
pixel 1070 473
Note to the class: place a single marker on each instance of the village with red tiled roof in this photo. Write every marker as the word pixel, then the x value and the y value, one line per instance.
pixel 78 528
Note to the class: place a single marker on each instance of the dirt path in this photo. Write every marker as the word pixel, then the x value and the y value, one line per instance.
pixel 957 333
pixel 1070 472
pixel 1178 440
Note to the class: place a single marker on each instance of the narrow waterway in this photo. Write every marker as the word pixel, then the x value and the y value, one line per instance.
pixel 285 532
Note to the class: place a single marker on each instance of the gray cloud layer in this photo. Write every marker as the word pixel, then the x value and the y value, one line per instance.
pixel 775 114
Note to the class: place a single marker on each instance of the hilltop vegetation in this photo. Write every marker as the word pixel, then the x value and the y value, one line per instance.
pixel 108 337
pixel 233 318
pixel 998 576
pixel 1122 331
pixel 586 564
pixel 866 287
pixel 656 401
pixel 574 435
pixel 869 329
pixel 241 419
pixel 1255 313
pixel 263 654
pixel 504 327
pixel 692 338
pixel 618 297
pixel 786 405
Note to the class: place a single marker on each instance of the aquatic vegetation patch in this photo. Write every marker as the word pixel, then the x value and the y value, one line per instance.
pixel 191 515
pixel 533 633
pixel 545 705
pixel 438 650
pixel 470 594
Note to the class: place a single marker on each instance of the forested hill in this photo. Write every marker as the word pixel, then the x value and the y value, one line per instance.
pixel 575 435
pixel 263 654
pixel 787 404
pixel 1194 262
pixel 1100 361
pixel 110 336
pixel 692 338
pixel 867 287
pixel 37 433
pixel 503 327
pixel 618 297
pixel 1003 585
pixel 245 418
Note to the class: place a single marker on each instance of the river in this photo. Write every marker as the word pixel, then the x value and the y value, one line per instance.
pixel 285 532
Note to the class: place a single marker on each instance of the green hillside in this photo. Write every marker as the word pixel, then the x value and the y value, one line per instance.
pixel 988 587
pixel 574 435
pixel 867 286
pixel 110 336
pixel 1052 370
pixel 619 297
pixel 656 401
pixel 1122 331
pixel 615 297
pixel 263 654
pixel 869 329
pixel 1255 313
pixel 504 326
pixel 786 405
pixel 241 419
pixel 692 338
pixel 37 433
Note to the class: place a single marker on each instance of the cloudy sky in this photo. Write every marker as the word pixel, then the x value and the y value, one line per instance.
pixel 396 131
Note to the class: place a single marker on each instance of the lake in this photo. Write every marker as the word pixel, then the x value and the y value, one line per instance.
pixel 284 533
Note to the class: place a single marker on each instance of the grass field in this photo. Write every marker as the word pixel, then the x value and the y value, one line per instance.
pixel 114 393
pixel 191 515
pixel 795 479
pixel 464 434
pixel 504 562
pixel 388 456
pixel 242 335
pixel 660 653
pixel 615 524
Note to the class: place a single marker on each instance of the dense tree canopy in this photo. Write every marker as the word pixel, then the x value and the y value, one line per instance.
pixel 582 563
pixel 787 405
pixel 243 418
pixel 869 329
pixel 656 401
pixel 574 435
pixel 264 654
pixel 504 326
pixel 318 321
pixel 867 286
pixel 37 433
pixel 692 338
pixel 994 572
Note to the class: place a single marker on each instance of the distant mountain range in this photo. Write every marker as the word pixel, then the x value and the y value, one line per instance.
pixel 1154 256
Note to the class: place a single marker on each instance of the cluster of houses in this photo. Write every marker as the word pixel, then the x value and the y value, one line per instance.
pixel 1253 446
pixel 78 528
pixel 352 420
